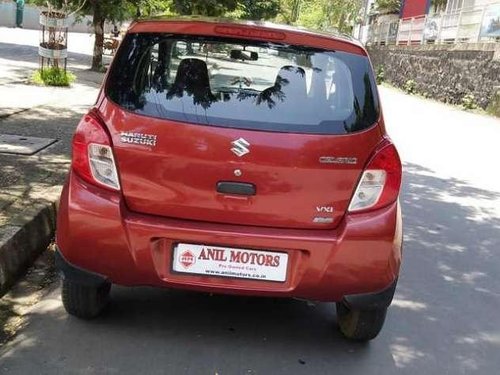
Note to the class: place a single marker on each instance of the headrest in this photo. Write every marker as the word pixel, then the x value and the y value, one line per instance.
pixel 192 78
pixel 291 80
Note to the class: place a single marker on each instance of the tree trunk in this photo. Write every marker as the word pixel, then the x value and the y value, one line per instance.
pixel 295 10
pixel 98 24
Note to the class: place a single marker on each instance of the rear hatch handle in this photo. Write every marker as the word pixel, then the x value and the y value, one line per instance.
pixel 236 188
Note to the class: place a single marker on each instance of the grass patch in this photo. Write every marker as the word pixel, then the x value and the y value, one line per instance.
pixel 494 107
pixel 380 74
pixel 469 102
pixel 410 86
pixel 52 77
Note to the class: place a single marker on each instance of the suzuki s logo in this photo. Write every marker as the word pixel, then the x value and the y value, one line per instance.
pixel 324 209
pixel 240 147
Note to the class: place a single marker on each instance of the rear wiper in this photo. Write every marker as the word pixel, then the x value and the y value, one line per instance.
pixel 236 89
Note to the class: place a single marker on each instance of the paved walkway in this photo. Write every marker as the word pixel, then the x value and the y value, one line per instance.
pixel 29 184
pixel 39 111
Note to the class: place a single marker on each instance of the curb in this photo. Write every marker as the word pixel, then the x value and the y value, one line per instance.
pixel 12 113
pixel 21 244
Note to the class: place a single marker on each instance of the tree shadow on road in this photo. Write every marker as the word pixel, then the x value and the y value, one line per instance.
pixel 444 318
pixel 449 293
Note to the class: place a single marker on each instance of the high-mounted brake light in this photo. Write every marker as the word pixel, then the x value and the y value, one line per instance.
pixel 92 154
pixel 247 32
pixel 381 180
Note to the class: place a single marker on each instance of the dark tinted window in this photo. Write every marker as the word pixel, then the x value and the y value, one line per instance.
pixel 242 84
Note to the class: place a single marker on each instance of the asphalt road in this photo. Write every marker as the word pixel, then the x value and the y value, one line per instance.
pixel 444 320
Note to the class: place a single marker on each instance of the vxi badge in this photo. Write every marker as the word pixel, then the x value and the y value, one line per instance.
pixel 324 209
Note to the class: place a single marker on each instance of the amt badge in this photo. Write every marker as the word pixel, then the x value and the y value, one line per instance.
pixel 187 259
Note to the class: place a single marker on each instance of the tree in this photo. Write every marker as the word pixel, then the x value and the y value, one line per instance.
pixel 246 9
pixel 388 6
pixel 321 14
pixel 213 8
pixel 102 11
pixel 115 11
pixel 290 11
pixel 341 14
pixel 259 9
pixel 439 5
pixel 141 8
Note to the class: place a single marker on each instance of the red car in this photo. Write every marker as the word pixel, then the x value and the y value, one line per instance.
pixel 242 158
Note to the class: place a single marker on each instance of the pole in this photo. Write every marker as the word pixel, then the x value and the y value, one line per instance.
pixel 409 34
pixel 365 12
pixel 457 35
pixel 481 24
pixel 19 13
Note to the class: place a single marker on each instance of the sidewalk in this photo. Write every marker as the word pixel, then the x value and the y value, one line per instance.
pixel 30 185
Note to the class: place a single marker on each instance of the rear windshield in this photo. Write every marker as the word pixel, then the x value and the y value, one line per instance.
pixel 243 84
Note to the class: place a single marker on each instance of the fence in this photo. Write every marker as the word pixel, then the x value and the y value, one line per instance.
pixel 473 24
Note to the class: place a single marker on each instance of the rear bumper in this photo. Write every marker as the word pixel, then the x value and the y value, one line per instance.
pixel 372 301
pixel 76 274
pixel 98 234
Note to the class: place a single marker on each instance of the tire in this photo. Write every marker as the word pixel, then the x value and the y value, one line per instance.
pixel 82 301
pixel 360 325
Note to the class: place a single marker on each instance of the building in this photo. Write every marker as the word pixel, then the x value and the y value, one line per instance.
pixel 427 21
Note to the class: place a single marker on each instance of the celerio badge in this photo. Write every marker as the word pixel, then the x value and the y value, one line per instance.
pixel 338 160
pixel 240 147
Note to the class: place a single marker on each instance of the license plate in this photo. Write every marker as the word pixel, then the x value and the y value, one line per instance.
pixel 230 262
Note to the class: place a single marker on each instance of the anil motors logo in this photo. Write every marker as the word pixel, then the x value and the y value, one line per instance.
pixel 187 259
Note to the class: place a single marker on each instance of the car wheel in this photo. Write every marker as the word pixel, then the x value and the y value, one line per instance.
pixel 83 301
pixel 360 325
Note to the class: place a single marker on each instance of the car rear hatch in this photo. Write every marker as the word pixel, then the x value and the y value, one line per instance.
pixel 273 136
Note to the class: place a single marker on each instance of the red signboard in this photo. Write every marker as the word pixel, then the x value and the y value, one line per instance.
pixel 414 8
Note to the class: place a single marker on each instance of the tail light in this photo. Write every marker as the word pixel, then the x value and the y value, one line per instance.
pixel 92 154
pixel 381 180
